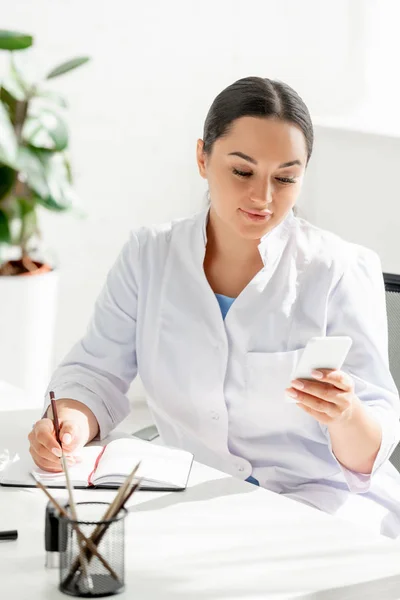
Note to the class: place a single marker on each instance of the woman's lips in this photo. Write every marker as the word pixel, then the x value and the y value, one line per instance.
pixel 255 215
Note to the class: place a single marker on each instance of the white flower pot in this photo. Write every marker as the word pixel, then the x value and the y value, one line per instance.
pixel 27 321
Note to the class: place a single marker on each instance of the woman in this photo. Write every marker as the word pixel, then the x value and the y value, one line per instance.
pixel 214 311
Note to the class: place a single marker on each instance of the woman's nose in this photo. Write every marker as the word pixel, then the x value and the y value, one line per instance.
pixel 262 194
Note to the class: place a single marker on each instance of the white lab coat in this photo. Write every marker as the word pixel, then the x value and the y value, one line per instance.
pixel 216 388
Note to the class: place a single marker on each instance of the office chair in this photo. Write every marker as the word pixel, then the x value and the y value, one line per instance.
pixel 392 287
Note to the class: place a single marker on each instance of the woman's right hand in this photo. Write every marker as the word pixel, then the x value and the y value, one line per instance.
pixel 78 425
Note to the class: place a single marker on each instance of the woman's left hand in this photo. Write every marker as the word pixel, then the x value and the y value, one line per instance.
pixel 329 399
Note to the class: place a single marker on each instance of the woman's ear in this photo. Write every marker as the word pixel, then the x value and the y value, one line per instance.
pixel 201 159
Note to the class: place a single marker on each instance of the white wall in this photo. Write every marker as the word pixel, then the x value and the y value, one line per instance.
pixel 351 188
pixel 139 106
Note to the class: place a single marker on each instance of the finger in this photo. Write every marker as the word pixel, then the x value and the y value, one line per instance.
pixel 340 379
pixel 319 416
pixel 70 436
pixel 45 435
pixel 325 391
pixel 318 405
pixel 44 464
pixel 45 454
pixel 42 456
pixel 52 456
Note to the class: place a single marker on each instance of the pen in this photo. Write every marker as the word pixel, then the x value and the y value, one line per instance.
pixel 9 535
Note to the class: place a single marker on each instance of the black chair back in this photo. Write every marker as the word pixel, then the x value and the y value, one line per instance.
pixel 392 287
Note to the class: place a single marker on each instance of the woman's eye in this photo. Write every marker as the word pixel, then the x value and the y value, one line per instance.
pixel 286 179
pixel 242 173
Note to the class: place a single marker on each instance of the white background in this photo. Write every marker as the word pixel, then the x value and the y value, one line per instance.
pixel 137 109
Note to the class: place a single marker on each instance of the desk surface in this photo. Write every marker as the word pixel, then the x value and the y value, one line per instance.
pixel 220 539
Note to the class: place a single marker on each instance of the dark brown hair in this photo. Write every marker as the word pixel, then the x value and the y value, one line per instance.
pixel 256 97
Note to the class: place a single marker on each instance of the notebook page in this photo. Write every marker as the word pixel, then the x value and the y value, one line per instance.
pixel 158 463
pixel 78 473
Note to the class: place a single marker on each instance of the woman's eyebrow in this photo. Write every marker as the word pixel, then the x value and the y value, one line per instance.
pixel 244 156
pixel 254 162
pixel 290 164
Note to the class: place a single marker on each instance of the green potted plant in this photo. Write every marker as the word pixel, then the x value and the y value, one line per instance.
pixel 34 172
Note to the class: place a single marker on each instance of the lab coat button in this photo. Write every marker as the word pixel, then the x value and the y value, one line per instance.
pixel 214 415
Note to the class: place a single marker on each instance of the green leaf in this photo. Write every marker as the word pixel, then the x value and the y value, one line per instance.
pixel 28 217
pixel 32 171
pixel 46 174
pixel 8 140
pixel 20 213
pixel 68 66
pixel 68 167
pixel 7 178
pixel 61 194
pixel 25 206
pixel 49 98
pixel 12 211
pixel 10 102
pixel 12 40
pixel 14 88
pixel 19 73
pixel 46 130
pixel 5 235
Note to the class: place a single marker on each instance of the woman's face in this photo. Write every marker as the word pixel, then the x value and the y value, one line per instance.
pixel 254 173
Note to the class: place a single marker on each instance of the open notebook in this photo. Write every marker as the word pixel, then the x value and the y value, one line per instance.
pixel 162 468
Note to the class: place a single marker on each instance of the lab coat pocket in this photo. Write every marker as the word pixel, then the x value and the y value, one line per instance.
pixel 270 416
pixel 269 373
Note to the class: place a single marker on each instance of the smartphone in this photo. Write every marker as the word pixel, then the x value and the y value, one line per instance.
pixel 321 353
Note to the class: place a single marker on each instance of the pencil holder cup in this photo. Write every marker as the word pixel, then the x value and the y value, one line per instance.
pixel 94 567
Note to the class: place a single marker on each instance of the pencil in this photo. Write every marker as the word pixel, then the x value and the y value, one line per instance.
pixel 55 418
pixel 70 490
pixel 86 540
pixel 129 494
pixel 110 513
pixel 119 507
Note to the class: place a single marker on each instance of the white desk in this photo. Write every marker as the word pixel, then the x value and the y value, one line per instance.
pixel 220 539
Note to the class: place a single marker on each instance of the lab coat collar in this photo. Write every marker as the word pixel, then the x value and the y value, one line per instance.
pixel 271 244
